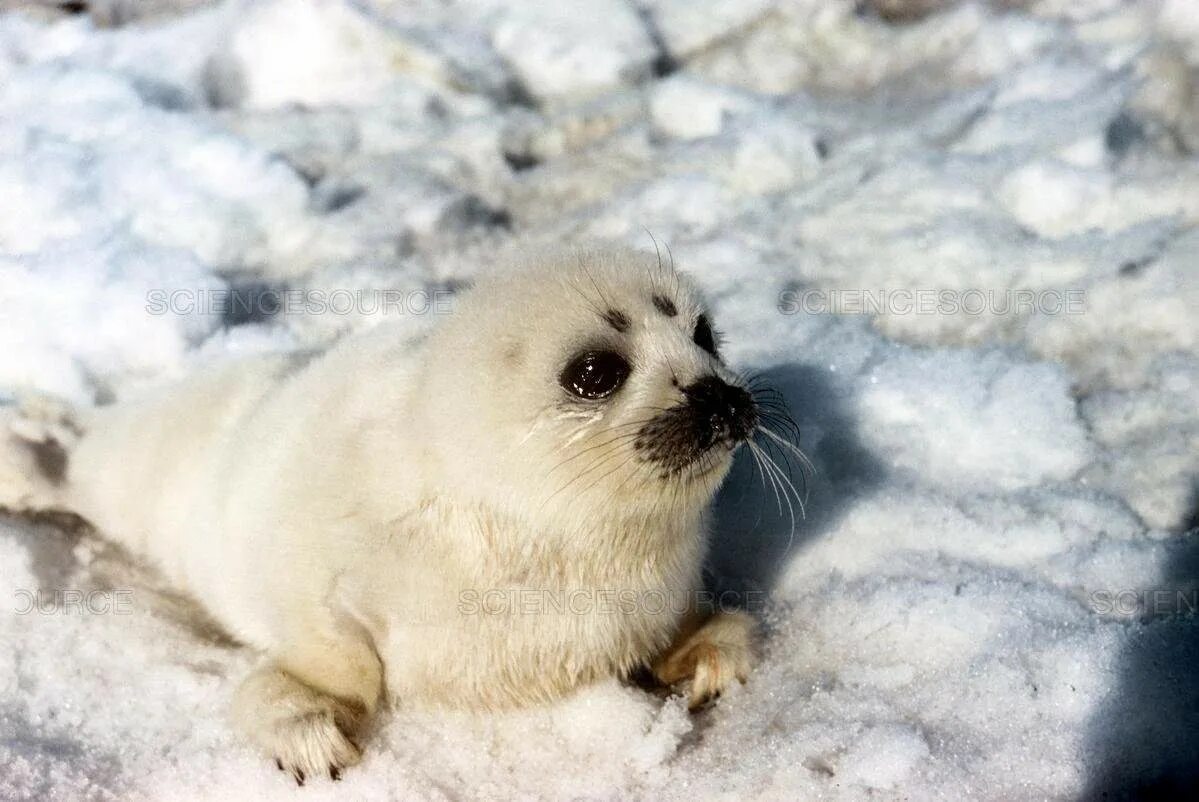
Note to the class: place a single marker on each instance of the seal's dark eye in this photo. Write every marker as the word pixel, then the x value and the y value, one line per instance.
pixel 595 374
pixel 703 336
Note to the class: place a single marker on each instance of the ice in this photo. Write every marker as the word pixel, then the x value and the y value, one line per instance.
pixel 558 50
pixel 686 28
pixel 317 53
pixel 1152 442
pixel 883 757
pixel 961 421
pixel 110 284
pixel 688 109
pixel 990 592
pixel 120 162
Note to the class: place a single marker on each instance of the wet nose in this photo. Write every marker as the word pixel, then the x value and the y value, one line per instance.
pixel 722 411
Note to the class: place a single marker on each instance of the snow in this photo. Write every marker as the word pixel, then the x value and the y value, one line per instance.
pixel 941 624
pixel 985 438
pixel 558 49
pixel 684 108
pixel 685 32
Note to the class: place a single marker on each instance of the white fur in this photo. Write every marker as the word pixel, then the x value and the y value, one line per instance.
pixel 335 511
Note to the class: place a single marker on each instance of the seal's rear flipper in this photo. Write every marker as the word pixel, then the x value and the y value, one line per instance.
pixel 36 438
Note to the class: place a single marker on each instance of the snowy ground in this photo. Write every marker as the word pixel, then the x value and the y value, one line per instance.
pixel 983 601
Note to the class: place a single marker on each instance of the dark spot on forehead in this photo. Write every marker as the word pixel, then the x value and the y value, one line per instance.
pixel 617 319
pixel 665 305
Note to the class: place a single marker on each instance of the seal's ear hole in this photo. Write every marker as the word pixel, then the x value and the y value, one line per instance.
pixel 595 375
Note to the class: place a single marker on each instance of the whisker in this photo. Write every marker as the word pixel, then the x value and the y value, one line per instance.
pixel 804 466
pixel 756 467
pixel 791 510
pixel 803 512
pixel 615 468
pixel 603 460
pixel 775 451
pixel 789 445
pixel 586 300
pixel 781 416
pixel 756 449
pixel 624 435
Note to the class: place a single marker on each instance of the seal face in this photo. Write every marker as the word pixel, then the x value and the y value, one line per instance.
pixel 710 416
pixel 579 379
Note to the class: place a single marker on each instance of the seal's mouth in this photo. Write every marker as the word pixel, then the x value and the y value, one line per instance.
pixel 700 432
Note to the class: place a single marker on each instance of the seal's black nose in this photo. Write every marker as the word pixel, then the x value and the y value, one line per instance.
pixel 721 411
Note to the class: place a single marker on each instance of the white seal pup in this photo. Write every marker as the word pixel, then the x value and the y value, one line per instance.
pixel 490 515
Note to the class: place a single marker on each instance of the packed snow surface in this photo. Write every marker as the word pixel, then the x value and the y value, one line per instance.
pixel 959 237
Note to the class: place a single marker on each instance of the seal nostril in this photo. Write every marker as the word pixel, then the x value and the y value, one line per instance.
pixel 742 412
pixel 722 411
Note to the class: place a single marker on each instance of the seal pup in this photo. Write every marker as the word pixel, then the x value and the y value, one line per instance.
pixel 367 516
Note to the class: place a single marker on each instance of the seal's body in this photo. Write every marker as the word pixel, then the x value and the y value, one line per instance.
pixel 486 516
